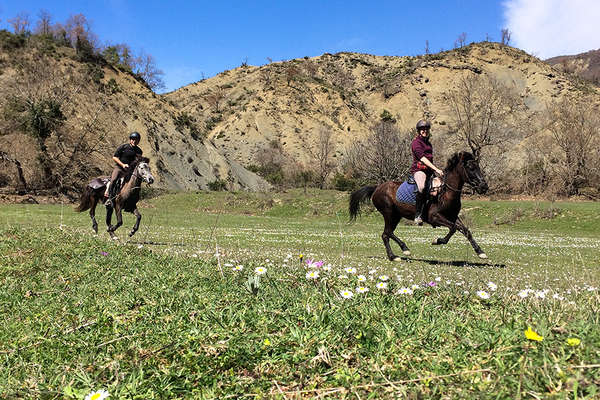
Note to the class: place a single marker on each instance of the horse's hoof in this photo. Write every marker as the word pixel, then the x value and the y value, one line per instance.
pixel 396 258
pixel 482 255
pixel 114 238
pixel 406 252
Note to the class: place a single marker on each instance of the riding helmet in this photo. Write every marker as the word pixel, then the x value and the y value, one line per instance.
pixel 135 135
pixel 423 124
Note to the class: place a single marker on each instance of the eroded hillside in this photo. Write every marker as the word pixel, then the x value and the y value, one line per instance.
pixel 62 119
pixel 242 110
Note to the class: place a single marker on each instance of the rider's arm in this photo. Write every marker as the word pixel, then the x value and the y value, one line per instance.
pixel 426 161
pixel 123 165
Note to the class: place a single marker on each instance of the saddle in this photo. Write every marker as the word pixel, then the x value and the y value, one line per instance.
pixel 407 191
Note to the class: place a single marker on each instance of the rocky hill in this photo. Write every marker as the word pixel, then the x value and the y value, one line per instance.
pixel 212 130
pixel 83 111
pixel 586 65
pixel 347 92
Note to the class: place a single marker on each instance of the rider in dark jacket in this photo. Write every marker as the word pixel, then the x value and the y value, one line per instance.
pixel 422 167
pixel 124 155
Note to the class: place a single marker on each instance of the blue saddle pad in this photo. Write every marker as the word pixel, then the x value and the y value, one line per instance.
pixel 406 193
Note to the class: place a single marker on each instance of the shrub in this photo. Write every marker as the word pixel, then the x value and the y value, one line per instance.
pixel 9 41
pixel 218 185
pixel 344 183
pixel 185 121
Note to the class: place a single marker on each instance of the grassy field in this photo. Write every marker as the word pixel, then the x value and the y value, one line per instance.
pixel 216 297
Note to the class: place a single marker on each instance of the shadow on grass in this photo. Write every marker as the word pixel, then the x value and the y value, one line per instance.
pixel 455 263
pixel 458 263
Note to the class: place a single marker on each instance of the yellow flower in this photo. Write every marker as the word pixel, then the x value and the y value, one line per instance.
pixel 267 342
pixel 531 335
pixel 573 341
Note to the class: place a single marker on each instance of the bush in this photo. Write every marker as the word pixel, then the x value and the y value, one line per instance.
pixel 344 183
pixel 218 185
pixel 9 41
pixel 185 121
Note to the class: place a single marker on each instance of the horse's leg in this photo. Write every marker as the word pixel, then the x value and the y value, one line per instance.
pixel 446 238
pixel 93 214
pixel 402 245
pixel 391 221
pixel 110 229
pixel 138 218
pixel 441 220
pixel 119 215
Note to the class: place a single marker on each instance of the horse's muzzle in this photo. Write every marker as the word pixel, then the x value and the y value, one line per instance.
pixel 150 180
pixel 482 188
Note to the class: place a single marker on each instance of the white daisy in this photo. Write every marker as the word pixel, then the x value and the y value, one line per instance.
pixel 482 294
pixel 382 285
pixel 492 286
pixel 362 289
pixel 312 275
pixel 99 395
pixel 405 290
pixel 346 294
pixel 260 270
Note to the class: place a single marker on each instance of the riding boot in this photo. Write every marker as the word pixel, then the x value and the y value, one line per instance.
pixel 419 205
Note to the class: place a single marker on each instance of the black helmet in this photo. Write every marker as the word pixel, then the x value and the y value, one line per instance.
pixel 135 135
pixel 423 124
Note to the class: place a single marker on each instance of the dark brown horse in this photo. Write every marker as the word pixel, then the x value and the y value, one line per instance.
pixel 125 200
pixel 442 211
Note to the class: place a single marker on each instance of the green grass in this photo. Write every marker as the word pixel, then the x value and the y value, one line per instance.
pixel 166 315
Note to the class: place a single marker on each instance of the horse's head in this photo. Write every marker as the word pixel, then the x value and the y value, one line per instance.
pixel 143 170
pixel 471 172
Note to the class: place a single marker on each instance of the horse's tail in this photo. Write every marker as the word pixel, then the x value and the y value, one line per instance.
pixel 85 202
pixel 361 195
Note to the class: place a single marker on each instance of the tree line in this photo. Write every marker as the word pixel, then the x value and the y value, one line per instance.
pixel 551 151
pixel 76 32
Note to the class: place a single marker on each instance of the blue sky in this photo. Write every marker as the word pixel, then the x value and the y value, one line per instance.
pixel 191 40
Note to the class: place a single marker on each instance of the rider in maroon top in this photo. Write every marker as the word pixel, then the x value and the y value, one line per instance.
pixel 422 166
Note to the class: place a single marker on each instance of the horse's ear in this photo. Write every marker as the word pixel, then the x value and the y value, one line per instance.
pixel 144 159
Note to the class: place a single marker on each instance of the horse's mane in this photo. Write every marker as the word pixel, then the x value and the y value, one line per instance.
pixel 455 158
pixel 133 166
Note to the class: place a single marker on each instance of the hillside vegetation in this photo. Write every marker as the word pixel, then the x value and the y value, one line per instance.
pixel 65 112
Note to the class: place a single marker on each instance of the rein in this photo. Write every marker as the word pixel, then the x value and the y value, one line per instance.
pixel 459 191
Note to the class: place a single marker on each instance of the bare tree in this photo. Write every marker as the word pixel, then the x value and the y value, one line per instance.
pixel 20 23
pixel 383 156
pixel 505 36
pixel 214 97
pixel 427 47
pixel 145 66
pixel 77 27
pixel 322 155
pixel 461 40
pixel 483 113
pixel 291 73
pixel 44 23
pixel 574 125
